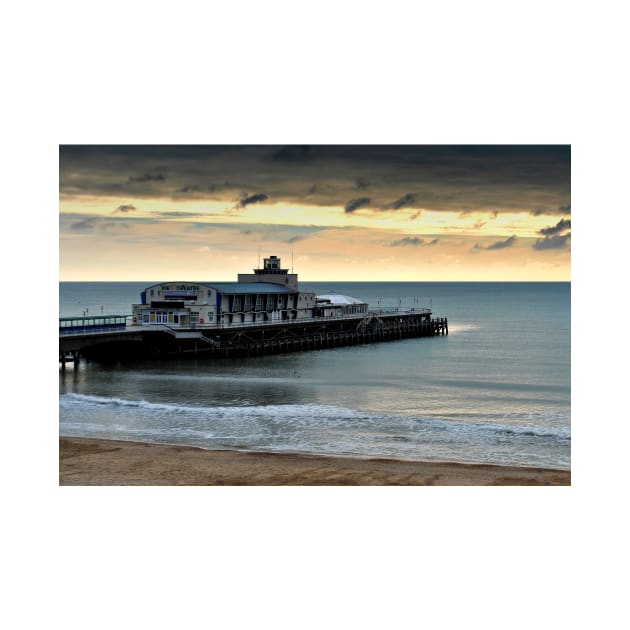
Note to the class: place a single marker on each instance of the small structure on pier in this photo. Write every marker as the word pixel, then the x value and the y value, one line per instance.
pixel 336 305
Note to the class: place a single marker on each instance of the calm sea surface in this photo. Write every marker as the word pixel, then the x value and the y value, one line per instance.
pixel 495 390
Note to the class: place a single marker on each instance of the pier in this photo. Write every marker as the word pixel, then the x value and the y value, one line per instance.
pixel 112 342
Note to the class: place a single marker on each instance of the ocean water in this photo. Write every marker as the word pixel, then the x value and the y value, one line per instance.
pixel 495 390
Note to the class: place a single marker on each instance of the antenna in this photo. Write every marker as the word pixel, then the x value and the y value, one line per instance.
pixel 291 261
pixel 259 258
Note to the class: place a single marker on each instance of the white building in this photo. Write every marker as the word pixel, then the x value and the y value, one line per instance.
pixel 336 305
pixel 269 294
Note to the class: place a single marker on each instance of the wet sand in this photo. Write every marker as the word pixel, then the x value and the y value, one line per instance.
pixel 84 462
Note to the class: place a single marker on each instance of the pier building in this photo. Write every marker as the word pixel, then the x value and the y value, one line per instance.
pixel 269 294
pixel 262 313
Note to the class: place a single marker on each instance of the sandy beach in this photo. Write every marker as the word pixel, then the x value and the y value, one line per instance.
pixel 84 461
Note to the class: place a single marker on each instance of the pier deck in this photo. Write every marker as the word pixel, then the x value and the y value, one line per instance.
pixel 137 342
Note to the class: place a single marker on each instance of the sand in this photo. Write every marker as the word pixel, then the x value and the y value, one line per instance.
pixel 84 462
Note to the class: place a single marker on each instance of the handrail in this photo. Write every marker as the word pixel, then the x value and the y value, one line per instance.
pixel 274 323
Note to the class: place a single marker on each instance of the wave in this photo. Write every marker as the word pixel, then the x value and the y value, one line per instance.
pixel 311 415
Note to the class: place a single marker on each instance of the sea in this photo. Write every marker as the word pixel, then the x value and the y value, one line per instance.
pixel 495 390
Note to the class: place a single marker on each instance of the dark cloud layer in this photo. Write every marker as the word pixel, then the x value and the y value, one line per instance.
pixel 562 226
pixel 355 204
pixel 247 200
pixel 552 242
pixel 148 177
pixel 125 208
pixel 560 210
pixel 467 178
pixel 406 201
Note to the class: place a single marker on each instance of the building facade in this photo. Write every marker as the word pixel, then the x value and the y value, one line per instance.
pixel 269 294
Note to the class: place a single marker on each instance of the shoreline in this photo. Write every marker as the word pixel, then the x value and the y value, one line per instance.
pixel 101 462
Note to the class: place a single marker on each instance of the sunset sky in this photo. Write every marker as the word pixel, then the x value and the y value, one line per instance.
pixel 356 212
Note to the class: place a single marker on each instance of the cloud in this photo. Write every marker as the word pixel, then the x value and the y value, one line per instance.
pixel 257 198
pixel 404 202
pixel 484 178
pixel 175 214
pixel 291 154
pixel 84 225
pixel 552 242
pixel 355 204
pixel 508 242
pixel 562 226
pixel 89 224
pixel 503 244
pixel 295 239
pixel 560 210
pixel 407 240
pixel 435 241
pixel 147 177
pixel 190 189
pixel 125 208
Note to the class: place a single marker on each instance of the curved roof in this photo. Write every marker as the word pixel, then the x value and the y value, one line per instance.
pixel 339 300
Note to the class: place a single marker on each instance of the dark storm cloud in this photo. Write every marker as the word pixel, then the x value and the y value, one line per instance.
pixel 503 244
pixel 561 210
pixel 404 202
pixel 492 178
pixel 188 189
pixel 246 201
pixel 291 154
pixel 552 242
pixel 148 177
pixel 125 208
pixel 562 226
pixel 355 204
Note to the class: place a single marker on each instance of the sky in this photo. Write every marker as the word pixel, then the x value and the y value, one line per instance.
pixel 330 212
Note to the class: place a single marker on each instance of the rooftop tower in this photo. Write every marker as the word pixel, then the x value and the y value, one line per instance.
pixel 271 272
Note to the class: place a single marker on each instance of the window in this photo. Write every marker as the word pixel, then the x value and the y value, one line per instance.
pixel 194 317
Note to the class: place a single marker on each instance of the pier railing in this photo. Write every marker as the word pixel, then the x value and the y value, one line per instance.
pixel 108 324
pixel 289 322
